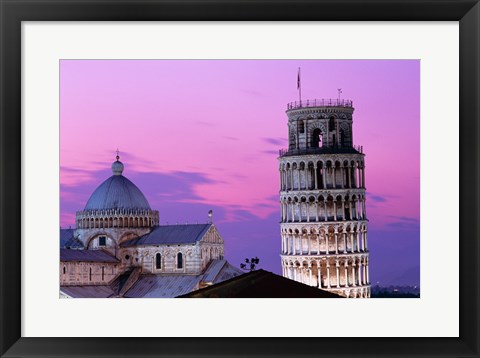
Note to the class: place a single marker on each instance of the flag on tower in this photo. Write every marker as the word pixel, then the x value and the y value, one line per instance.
pixel 298 79
pixel 299 87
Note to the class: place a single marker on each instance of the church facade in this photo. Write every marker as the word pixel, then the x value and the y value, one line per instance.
pixel 119 249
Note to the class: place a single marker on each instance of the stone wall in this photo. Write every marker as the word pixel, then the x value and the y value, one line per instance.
pixel 87 273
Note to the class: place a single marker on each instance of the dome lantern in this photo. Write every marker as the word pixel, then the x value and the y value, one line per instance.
pixel 117 166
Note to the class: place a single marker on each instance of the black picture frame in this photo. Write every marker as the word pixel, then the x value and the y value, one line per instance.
pixel 13 12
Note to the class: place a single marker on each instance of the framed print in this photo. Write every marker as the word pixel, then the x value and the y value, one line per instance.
pixel 259 155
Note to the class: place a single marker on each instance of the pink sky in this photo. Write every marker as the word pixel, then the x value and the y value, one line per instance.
pixel 201 134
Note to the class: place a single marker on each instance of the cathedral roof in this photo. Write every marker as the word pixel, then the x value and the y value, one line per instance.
pixel 86 256
pixel 68 240
pixel 162 286
pixel 65 236
pixel 174 285
pixel 171 234
pixel 96 291
pixel 117 192
pixel 220 270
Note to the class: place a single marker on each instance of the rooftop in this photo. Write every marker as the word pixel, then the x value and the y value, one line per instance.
pixel 65 236
pixel 171 234
pixel 171 285
pixel 68 240
pixel 260 284
pixel 86 256
pixel 310 103
pixel 88 291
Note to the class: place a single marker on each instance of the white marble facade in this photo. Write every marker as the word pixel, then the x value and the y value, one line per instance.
pixel 322 200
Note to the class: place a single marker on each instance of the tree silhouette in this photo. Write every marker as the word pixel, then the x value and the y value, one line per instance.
pixel 250 264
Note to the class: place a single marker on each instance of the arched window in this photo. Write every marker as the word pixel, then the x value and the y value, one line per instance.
pixel 64 270
pixel 342 138
pixel 103 273
pixel 179 260
pixel 90 274
pixel 301 127
pixel 316 138
pixel 158 261
pixel 331 123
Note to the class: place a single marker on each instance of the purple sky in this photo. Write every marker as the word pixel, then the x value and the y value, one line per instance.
pixel 200 135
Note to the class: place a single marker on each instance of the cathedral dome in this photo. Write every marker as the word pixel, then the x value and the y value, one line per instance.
pixel 117 192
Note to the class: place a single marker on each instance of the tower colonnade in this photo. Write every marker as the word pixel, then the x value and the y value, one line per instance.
pixel 335 239
pixel 312 174
pixel 324 221
pixel 308 206
pixel 345 275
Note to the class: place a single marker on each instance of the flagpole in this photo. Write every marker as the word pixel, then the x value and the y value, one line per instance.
pixel 299 87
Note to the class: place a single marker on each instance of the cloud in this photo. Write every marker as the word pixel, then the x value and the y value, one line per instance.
pixel 74 170
pixel 403 222
pixel 380 198
pixel 204 123
pixel 405 218
pixel 270 152
pixel 275 141
pixel 377 198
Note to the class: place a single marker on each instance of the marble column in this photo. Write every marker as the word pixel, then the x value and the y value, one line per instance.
pixel 310 275
pixel 346 273
pixel 337 266
pixel 328 274
pixel 319 275
pixel 336 241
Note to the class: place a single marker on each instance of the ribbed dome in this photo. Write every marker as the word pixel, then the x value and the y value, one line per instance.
pixel 117 192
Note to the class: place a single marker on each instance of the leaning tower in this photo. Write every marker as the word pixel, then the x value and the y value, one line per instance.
pixel 322 196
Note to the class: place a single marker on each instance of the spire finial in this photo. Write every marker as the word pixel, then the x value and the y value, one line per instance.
pixel 210 214
pixel 118 156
